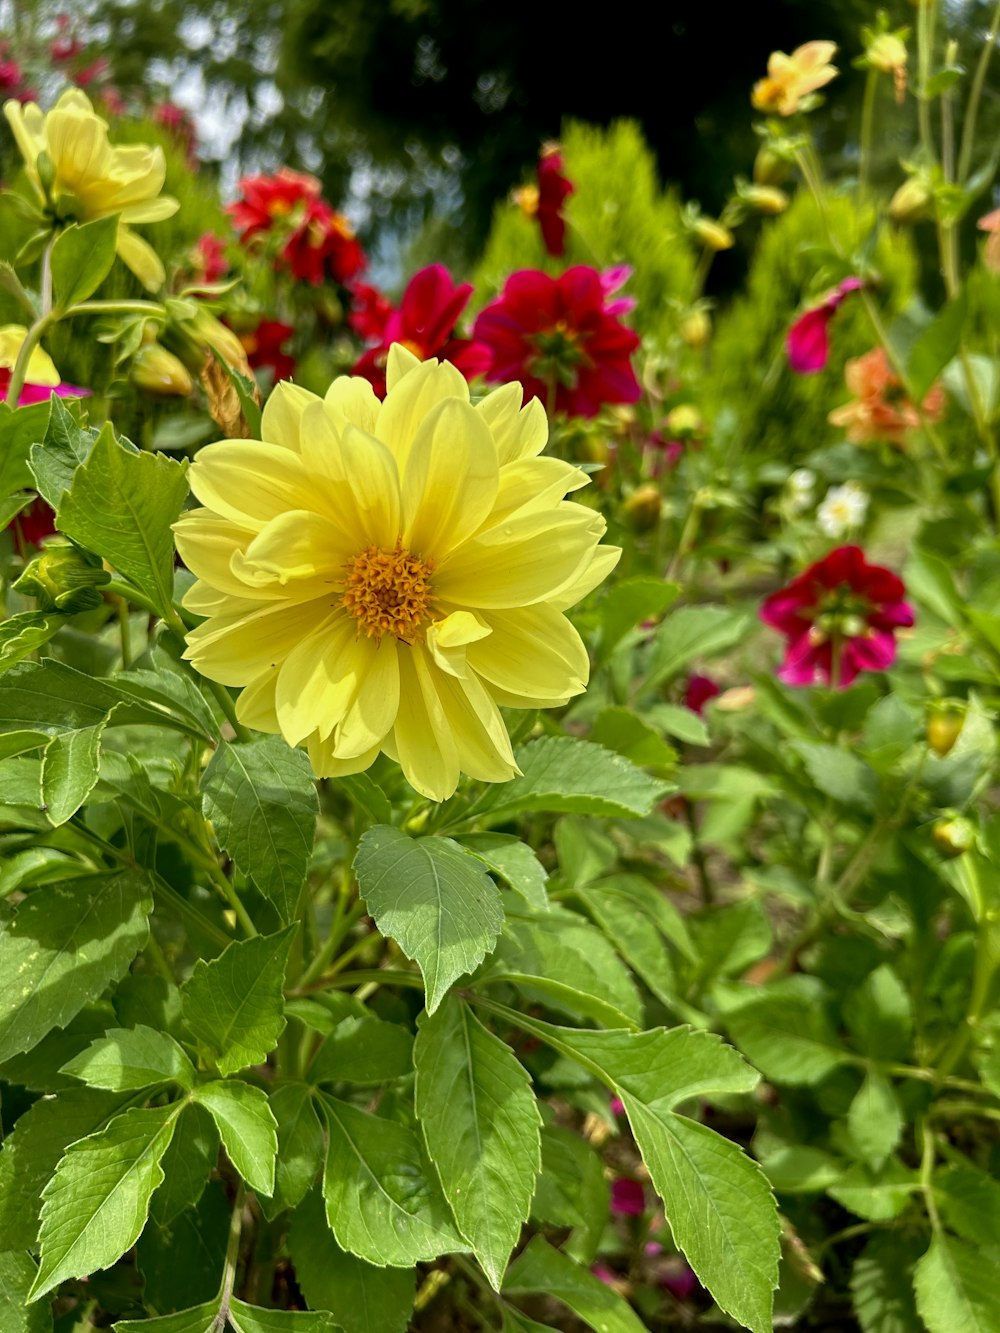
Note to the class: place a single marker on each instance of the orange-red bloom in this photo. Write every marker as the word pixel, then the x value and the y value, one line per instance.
pixel 991 252
pixel 267 199
pixel 880 409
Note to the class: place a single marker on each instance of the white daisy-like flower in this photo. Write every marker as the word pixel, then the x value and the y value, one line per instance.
pixel 843 509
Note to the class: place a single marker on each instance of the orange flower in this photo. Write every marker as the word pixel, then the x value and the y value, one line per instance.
pixel 791 78
pixel 991 251
pixel 880 409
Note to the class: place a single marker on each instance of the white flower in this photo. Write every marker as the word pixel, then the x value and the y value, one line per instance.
pixel 800 490
pixel 843 508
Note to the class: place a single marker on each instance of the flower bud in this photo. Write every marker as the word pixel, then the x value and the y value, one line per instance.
pixel 886 53
pixel 642 508
pixel 953 836
pixel 769 168
pixel 158 371
pixel 46 172
pixel 713 235
pixel 696 328
pixel 63 578
pixel 684 420
pixel 944 726
pixel 911 202
pixel 767 199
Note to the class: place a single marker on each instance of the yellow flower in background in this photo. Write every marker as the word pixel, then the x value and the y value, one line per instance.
pixel 791 78
pixel 381 576
pixel 87 177
pixel 41 369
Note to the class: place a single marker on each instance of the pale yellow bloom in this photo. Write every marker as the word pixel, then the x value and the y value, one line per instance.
pixel 91 178
pixel 40 366
pixel 381 576
pixel 791 78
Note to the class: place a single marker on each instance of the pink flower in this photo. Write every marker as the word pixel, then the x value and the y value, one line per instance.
pixel 839 617
pixel 679 1279
pixel 95 70
pixel 627 1197
pixel 808 342
pixel 604 1274
pixel 40 393
pixel 700 689
pixel 617 1106
pixel 553 190
pixel 562 340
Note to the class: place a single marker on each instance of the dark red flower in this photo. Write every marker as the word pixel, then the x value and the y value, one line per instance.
pixel 839 617
pixel 323 246
pixel 808 341
pixel 562 340
pixel 700 689
pixel 553 190
pixel 424 322
pixel 267 199
pixel 264 348
pixel 627 1197
pixel 95 70
pixel 10 77
pixel 208 257
pixel 33 524
pixel 65 48
pixel 370 312
pixel 179 125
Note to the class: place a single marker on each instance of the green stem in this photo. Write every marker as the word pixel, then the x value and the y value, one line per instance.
pixel 867 128
pixel 983 972
pixel 20 372
pixel 338 931
pixel 124 636
pixel 975 93
pixel 379 976
pixel 232 1260
pixel 228 706
pixel 926 14
pixel 926 1140
pixel 152 309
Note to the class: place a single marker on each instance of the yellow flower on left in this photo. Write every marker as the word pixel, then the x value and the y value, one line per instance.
pixel 790 78
pixel 90 177
pixel 41 369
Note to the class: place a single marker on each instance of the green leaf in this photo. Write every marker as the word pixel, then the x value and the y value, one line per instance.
pixel 838 773
pixel 367 797
pixel 62 948
pixel 881 1286
pixel 24 633
pixel 787 1036
pixel 96 1204
pixel 261 799
pixel 541 1268
pixel 628 604
pixel 65 446
pixel 877 1196
pixel 930 581
pixel 168 687
pixel 727 941
pixel 630 735
pixel 682 723
pixel 247 1127
pixel 562 961
pixel 800 1170
pixel 516 1322
pixel 187 1165
pixel 562 774
pixel 572 1191
pixel 32 1151
pixel 300 1146
pixel 13 286
pixel 128 1058
pixel 20 428
pixel 180 1261
pixel 70 767
pixel 874 1120
pixel 690 633
pixel 879 1017
pixel 719 1207
pixel 891 727
pixel 958 1287
pixel 120 505
pixel 51 697
pixel 514 861
pixel 200 1319
pixel 936 346
pixel 434 899
pixel 382 1202
pixel 631 913
pixel 17 1273
pixel 235 1003
pixel 361 1297
pixel 969 1202
pixel 250 1319
pixel 480 1123
pixel 363 1050
pixel 82 257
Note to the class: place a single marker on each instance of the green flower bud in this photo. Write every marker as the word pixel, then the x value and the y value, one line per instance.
pixel 158 371
pixel 63 578
pixel 642 508
pixel 953 836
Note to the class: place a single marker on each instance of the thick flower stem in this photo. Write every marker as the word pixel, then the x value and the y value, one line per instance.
pixel 867 130
pixel 20 372
pixel 232 1259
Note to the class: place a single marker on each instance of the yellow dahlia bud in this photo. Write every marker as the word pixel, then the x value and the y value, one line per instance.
pixel 953 836
pixel 765 199
pixel 713 235
pixel 158 371
pixel 769 168
pixel 911 202
pixel 641 510
pixel 696 328
pixel 526 198
pixel 684 420
pixel 886 53
pixel 944 726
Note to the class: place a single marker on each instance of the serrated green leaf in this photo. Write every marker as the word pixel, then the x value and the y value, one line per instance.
pixel 838 773
pixel 82 257
pixel 96 1204
pixel 542 1268
pixel 572 1191
pixel 565 775
pixel 361 1297
pixel 684 724
pixel 881 1285
pixel 51 697
pixel 692 632
pixel 480 1124
pixel 562 961
pixel 629 911
pixel 32 1151
pixel 958 1287
pixel 261 799
pixel 252 1319
pixel 514 861
pixel 801 1170
pixel 300 1145
pixel 169 688
pixel 876 1196
pixel 969 1202
pixel 874 1120
pixel 120 505
pixel 382 1202
pixel 363 1050
pixel 727 941
pixel 20 428
pixel 628 734
pixel 786 1036
pixel 65 445
pixel 181 1260
pixel 24 633
pixel 64 945
pixel 235 1003
pixel 368 797
pixel 630 602
pixel 187 1164
pixel 434 899
pixel 936 346
pixel 70 767
pixel 201 1319
pixel 878 1015
pixel 128 1058
pixel 17 1272
pixel 247 1128
pixel 39 1068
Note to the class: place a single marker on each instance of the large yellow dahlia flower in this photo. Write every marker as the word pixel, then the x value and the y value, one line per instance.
pixel 91 178
pixel 380 576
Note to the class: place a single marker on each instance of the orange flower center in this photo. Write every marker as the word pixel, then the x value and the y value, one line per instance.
pixel 388 592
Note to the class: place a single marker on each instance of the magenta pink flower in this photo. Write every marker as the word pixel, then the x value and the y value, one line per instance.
pixel 627 1197
pixel 562 339
pixel 839 617
pixel 40 393
pixel 700 689
pixel 808 342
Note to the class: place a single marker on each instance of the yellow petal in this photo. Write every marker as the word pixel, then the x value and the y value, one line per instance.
pixel 533 652
pixel 399 362
pixel 141 258
pixel 207 543
pixel 255 706
pixel 235 650
pixel 250 482
pixel 351 398
pixel 481 738
pixel 404 409
pixel 319 679
pixel 281 420
pixel 41 369
pixel 373 481
pixel 325 465
pixel 297 546
pixel 518 432
pixel 375 705
pixel 422 737
pixel 153 210
pixel 450 482
pixel 204 600
pixel 531 485
pixel 448 639
pixel 604 561
pixel 327 764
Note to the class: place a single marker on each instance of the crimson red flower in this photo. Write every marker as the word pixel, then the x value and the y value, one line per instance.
pixel 370 312
pixel 208 257
pixel 179 125
pixel 839 617
pixel 627 1197
pixel 264 348
pixel 562 339
pixel 700 689
pixel 95 70
pixel 424 323
pixel 323 245
pixel 266 199
pixel 808 342
pixel 33 524
pixel 553 190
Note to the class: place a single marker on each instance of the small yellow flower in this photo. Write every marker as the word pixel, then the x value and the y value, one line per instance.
pixel 792 78
pixel 41 369
pixel 87 177
pixel 381 576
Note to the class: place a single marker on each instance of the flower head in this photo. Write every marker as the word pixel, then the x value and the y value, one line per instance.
pixel 562 340
pixel 88 178
pixel 699 691
pixel 323 246
pixel 265 348
pixel 839 617
pixel 268 199
pixel 545 201
pixel 792 78
pixel 208 257
pixel 627 1197
pixel 370 312
pixel 42 379
pixel 843 508
pixel 380 577
pixel 880 409
pixel 808 342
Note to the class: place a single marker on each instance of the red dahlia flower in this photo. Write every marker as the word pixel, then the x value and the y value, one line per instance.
pixel 323 245
pixel 264 348
pixel 33 524
pixel 562 339
pixel 424 322
pixel 700 690
pixel 808 342
pixel 208 257
pixel 268 198
pixel 553 190
pixel 839 617
pixel 370 312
